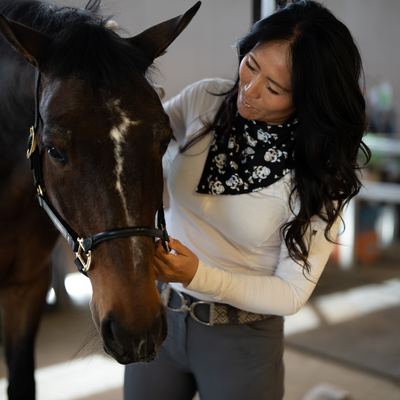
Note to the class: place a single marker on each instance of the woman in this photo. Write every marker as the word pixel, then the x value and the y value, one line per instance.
pixel 266 165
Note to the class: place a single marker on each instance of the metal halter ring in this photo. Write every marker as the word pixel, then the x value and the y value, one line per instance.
pixel 33 143
pixel 86 263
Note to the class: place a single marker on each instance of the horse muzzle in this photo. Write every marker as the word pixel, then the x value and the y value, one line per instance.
pixel 127 346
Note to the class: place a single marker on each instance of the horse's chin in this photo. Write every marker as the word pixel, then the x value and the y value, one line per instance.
pixel 126 359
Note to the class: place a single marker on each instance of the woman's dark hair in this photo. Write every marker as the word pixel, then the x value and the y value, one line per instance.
pixel 326 73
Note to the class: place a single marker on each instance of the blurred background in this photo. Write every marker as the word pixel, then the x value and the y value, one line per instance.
pixel 347 336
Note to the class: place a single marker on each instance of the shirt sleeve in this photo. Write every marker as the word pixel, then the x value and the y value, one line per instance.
pixel 194 102
pixel 284 293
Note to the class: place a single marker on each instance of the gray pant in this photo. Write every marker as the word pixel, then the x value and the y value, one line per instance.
pixel 222 362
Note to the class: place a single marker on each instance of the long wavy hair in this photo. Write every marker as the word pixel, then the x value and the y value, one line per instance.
pixel 328 99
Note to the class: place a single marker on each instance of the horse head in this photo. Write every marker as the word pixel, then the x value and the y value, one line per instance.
pixel 102 133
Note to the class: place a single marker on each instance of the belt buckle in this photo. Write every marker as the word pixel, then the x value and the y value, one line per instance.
pixel 166 295
pixel 210 316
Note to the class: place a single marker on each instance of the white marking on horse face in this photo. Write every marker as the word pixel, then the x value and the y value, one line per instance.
pixel 118 136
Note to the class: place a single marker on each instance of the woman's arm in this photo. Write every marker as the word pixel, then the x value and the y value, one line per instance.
pixel 284 293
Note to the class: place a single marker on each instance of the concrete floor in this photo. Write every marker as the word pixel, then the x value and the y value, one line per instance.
pixel 65 331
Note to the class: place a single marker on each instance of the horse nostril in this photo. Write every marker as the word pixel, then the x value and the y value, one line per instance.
pixel 108 330
pixel 132 345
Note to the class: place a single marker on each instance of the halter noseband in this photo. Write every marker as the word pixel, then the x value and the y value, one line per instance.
pixel 82 247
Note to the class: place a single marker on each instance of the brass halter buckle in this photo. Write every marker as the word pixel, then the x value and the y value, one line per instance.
pixel 30 151
pixel 79 254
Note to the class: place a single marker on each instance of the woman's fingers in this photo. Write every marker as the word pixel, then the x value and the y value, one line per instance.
pixel 178 247
pixel 177 266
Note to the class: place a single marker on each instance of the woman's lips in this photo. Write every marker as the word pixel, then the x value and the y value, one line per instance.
pixel 245 104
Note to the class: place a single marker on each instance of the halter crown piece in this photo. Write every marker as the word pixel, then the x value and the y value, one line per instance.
pixel 82 247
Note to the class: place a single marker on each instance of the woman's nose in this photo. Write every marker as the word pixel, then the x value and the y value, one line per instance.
pixel 252 88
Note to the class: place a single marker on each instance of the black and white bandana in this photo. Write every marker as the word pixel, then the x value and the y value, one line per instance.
pixel 253 157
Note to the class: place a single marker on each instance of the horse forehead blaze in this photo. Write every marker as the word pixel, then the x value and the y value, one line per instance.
pixel 118 135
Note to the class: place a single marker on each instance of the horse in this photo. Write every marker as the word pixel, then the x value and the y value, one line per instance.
pixel 96 146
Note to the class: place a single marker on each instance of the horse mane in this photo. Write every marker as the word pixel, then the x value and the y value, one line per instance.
pixel 81 44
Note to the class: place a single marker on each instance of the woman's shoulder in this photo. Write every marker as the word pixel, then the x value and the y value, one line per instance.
pixel 200 101
pixel 204 93
pixel 210 86
pixel 199 97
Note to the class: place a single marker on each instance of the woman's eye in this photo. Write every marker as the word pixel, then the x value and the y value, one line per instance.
pixel 249 66
pixel 272 90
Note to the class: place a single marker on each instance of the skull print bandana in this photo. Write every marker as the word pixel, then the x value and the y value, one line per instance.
pixel 252 158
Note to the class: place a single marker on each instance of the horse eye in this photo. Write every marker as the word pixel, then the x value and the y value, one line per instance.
pixel 54 154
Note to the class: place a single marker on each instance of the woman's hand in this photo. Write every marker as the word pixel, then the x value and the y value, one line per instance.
pixel 177 266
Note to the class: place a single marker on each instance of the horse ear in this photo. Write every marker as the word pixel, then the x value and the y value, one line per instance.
pixel 27 41
pixel 155 40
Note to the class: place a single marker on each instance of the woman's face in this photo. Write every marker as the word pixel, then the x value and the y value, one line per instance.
pixel 265 91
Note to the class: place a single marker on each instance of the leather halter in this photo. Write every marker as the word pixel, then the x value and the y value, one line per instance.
pixel 80 245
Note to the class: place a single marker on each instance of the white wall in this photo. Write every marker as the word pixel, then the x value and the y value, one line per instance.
pixel 203 49
pixel 375 26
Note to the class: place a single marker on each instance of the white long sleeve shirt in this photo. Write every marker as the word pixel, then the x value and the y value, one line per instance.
pixel 243 260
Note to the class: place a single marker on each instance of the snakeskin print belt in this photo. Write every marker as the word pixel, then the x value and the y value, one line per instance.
pixel 205 312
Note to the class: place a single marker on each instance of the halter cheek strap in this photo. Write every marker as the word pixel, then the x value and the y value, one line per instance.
pixel 82 247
